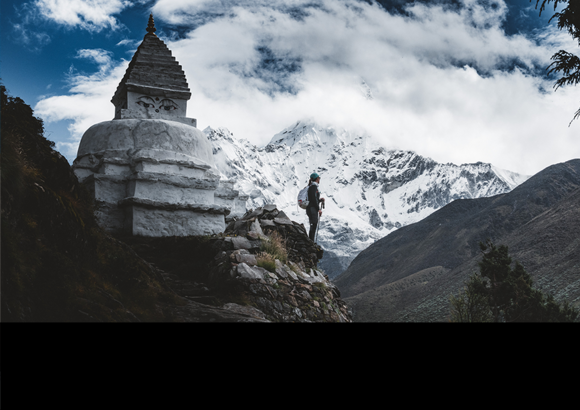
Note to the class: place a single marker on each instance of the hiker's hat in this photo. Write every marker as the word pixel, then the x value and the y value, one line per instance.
pixel 314 176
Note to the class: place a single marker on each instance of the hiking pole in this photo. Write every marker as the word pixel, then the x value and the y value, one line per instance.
pixel 318 225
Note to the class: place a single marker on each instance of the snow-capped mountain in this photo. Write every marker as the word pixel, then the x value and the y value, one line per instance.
pixel 370 191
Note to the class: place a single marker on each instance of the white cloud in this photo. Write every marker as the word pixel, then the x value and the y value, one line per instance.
pixel 446 83
pixel 88 101
pixel 92 15
pixel 99 56
pixel 31 39
pixel 194 12
pixel 128 42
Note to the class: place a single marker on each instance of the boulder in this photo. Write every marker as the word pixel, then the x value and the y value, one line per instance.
pixel 245 271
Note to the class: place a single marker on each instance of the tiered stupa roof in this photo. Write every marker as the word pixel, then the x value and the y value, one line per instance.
pixel 153 70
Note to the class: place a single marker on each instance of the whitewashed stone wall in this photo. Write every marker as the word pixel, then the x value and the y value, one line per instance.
pixel 154 177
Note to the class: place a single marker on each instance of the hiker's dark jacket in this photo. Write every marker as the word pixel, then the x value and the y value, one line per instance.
pixel 313 197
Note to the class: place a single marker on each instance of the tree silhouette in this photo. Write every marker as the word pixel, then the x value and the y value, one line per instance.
pixel 564 62
pixel 501 293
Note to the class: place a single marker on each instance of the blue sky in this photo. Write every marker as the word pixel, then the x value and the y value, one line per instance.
pixel 459 81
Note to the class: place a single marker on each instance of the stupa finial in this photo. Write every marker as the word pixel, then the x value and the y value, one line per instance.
pixel 151 25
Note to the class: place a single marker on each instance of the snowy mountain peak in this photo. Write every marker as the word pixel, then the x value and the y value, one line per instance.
pixel 512 179
pixel 307 134
pixel 217 134
pixel 370 190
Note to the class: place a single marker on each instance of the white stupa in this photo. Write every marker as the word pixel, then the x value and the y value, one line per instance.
pixel 150 169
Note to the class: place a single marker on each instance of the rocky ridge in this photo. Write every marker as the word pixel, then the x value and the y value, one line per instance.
pixel 220 278
pixel 295 291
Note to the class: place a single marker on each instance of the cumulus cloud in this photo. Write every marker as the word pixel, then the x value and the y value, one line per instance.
pixel 99 56
pixel 446 82
pixel 88 101
pixel 92 15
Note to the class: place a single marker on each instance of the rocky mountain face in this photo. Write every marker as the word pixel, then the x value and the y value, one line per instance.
pixel 410 274
pixel 370 191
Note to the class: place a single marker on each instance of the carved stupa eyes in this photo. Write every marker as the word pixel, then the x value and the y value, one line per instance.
pixel 165 104
pixel 168 105
pixel 146 102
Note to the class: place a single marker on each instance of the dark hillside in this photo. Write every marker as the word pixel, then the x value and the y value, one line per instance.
pixel 409 274
pixel 57 264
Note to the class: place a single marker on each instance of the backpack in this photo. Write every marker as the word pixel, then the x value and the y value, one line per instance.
pixel 303 197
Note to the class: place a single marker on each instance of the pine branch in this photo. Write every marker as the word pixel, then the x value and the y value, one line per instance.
pixel 569 65
pixel 576 116
pixel 544 2
pixel 563 62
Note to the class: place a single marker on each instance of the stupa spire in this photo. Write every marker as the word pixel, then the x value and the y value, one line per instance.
pixel 151 25
pixel 152 72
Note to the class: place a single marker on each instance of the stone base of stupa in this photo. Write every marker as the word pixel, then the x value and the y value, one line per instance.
pixel 159 221
pixel 150 205
pixel 154 178
pixel 226 195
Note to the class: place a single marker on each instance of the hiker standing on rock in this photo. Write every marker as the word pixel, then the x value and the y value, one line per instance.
pixel 313 210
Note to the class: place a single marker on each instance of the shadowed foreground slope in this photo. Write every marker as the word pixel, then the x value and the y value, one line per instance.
pixel 410 274
pixel 58 265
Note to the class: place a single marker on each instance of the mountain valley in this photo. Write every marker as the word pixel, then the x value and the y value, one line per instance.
pixel 410 274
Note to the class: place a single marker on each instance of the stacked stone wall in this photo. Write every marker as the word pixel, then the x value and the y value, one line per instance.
pixel 301 250
pixel 223 270
pixel 295 291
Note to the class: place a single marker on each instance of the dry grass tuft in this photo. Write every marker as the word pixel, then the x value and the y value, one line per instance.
pixel 276 247
pixel 266 261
